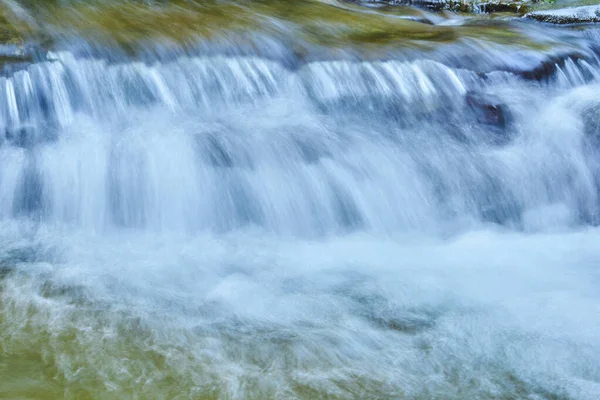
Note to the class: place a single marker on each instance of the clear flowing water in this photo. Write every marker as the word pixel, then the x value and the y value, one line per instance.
pixel 213 225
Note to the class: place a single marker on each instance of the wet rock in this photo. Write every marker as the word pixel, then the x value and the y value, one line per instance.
pixel 409 323
pixel 430 4
pixel 488 109
pixel 436 5
pixel 15 51
pixel 517 7
pixel 573 15
pixel 14 54
pixel 548 67
pixel 461 5
pixel 6 270
pixel 419 19
pixel 16 57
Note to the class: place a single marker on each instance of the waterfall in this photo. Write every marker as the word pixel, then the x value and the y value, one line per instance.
pixel 249 224
pixel 217 143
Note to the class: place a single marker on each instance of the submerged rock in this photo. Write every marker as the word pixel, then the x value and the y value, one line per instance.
pixel 6 270
pixel 573 15
pixel 488 109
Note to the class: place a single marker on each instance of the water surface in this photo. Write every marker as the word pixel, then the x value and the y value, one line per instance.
pixel 279 218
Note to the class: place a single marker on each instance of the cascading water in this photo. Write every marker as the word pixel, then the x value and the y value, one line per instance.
pixel 209 225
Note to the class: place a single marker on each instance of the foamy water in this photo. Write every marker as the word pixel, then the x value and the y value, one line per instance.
pixel 213 226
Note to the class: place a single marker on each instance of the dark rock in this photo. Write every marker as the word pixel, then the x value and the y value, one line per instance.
pixel 488 109
pixel 6 270
pixel 419 19
pixel 460 5
pixel 546 68
pixel 490 7
pixel 435 5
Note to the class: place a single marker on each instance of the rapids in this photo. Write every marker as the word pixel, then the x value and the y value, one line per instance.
pixel 218 222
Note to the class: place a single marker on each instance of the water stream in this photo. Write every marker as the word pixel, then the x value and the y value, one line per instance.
pixel 203 223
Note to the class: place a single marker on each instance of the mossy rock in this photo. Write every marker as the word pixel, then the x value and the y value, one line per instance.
pixel 302 24
pixel 10 32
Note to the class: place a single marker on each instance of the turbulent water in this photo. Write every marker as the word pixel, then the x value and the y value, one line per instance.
pixel 217 224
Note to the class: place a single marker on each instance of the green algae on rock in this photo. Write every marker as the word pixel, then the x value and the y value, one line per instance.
pixel 12 31
pixel 15 35
pixel 303 23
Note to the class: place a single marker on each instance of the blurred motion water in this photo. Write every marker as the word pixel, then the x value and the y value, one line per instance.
pixel 277 218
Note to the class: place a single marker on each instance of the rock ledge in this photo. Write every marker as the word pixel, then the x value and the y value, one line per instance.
pixel 574 15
